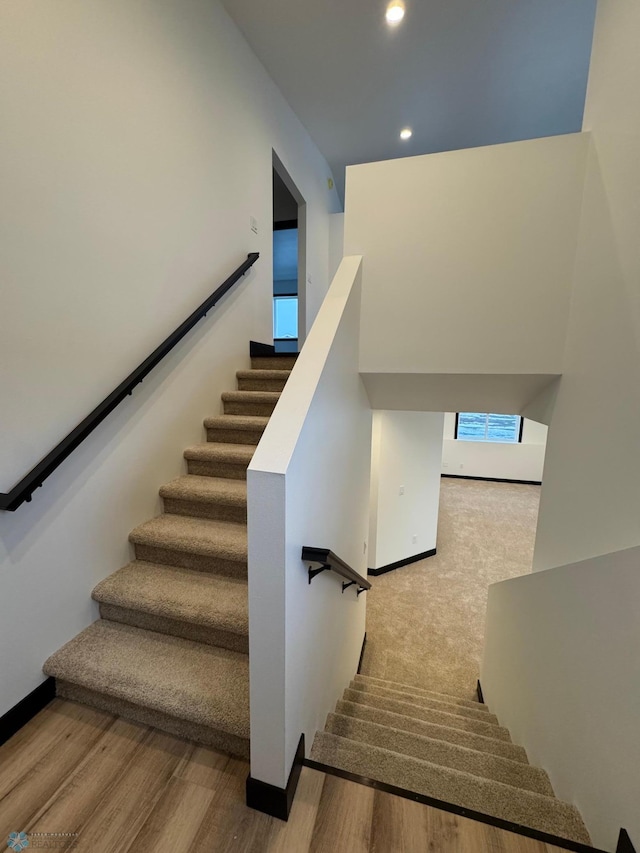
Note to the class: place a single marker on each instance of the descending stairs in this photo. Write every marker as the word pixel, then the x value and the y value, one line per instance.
pixel 171 647
pixel 443 747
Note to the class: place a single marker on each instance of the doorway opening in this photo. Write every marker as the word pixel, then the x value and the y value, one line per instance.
pixel 289 260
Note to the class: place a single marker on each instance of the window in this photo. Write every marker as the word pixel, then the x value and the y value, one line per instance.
pixel 476 426
pixel 285 317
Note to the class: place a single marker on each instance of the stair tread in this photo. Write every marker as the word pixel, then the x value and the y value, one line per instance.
pixel 456 721
pixel 193 487
pixel 213 451
pixel 421 691
pixel 251 396
pixel 527 808
pixel 225 539
pixel 203 684
pixel 475 761
pixel 174 593
pixel 427 701
pixel 237 422
pixel 437 731
pixel 261 373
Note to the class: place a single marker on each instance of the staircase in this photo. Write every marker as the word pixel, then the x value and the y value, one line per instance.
pixel 171 647
pixel 443 747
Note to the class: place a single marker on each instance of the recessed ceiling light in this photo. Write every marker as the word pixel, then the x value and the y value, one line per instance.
pixel 406 133
pixel 395 12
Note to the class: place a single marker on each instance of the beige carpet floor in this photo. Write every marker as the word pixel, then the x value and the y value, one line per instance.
pixel 425 622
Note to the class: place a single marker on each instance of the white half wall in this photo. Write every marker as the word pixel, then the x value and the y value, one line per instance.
pixel 590 501
pixel 561 671
pixel 308 484
pixel 136 143
pixel 406 457
pixel 468 257
pixel 521 461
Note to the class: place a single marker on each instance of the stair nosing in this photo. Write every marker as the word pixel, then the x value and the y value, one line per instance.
pixel 477 713
pixel 208 495
pixel 558 805
pixel 535 772
pixel 498 743
pixel 115 688
pixel 418 691
pixel 506 739
pixel 98 594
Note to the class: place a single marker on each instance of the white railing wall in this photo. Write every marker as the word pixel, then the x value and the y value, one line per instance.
pixel 561 672
pixel 308 484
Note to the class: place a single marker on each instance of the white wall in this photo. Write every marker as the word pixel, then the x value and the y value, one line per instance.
pixel 468 258
pixel 561 670
pixel 590 502
pixel 521 461
pixel 406 457
pixel 137 141
pixel 308 484
pixel 336 242
pixel 561 661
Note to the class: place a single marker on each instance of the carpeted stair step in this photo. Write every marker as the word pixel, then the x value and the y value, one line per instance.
pixel 201 544
pixel 478 763
pixel 206 497
pixel 420 712
pixel 235 429
pixel 528 808
pixel 419 691
pixel 219 460
pixel 502 748
pixel 262 380
pixel 192 690
pixel 426 701
pixel 276 361
pixel 260 403
pixel 197 606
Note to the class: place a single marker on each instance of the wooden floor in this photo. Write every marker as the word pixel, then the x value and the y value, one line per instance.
pixel 105 785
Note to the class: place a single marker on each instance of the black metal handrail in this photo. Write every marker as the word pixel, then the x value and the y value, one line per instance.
pixel 330 562
pixel 23 490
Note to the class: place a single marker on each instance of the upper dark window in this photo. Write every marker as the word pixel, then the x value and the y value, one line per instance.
pixel 477 426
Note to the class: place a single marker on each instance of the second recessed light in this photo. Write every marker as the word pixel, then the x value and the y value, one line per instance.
pixel 406 133
pixel 395 12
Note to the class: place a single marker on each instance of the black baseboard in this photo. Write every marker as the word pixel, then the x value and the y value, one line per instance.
pixel 272 800
pixel 479 692
pixel 406 562
pixel 506 825
pixel 494 480
pixel 624 843
pixel 258 350
pixel 364 643
pixel 26 709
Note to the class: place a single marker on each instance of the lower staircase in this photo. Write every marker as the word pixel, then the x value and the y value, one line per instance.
pixel 171 646
pixel 443 747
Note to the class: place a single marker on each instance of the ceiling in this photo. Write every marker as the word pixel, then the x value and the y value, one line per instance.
pixel 460 73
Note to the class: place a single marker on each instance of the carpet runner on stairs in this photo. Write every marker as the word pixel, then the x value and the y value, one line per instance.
pixel 443 747
pixel 171 646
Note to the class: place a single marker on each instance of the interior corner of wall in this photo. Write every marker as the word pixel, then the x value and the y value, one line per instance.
pixel 541 407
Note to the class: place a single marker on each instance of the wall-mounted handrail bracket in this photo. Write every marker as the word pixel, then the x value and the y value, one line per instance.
pixel 314 572
pixel 327 560
pixel 22 491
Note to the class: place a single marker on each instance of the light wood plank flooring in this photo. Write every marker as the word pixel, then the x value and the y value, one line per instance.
pixel 116 786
